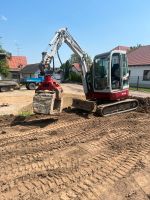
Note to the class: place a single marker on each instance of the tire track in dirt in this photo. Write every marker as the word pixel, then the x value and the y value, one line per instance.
pixel 64 141
pixel 74 164
pixel 78 137
pixel 94 157
pixel 44 132
pixel 94 146
pixel 96 170
pixel 60 124
pixel 80 126
pixel 54 126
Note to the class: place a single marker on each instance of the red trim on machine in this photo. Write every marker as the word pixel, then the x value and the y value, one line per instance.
pixel 118 95
pixel 49 84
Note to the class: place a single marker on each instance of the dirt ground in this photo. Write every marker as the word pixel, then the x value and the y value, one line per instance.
pixel 75 155
pixel 17 101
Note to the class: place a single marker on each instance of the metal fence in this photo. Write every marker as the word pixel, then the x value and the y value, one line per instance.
pixel 139 82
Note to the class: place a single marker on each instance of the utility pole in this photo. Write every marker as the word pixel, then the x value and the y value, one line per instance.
pixel 1 41
pixel 17 48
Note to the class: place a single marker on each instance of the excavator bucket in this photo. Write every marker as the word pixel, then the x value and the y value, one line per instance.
pixel 45 102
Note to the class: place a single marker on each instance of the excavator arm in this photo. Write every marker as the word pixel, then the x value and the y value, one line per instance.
pixel 48 96
pixel 63 36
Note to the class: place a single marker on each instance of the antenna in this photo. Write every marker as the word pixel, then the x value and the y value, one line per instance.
pixel 17 48
pixel 1 41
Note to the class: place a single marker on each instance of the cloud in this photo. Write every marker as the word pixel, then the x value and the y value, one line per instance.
pixel 3 18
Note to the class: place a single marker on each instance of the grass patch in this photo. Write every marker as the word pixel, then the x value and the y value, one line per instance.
pixel 25 113
pixel 140 89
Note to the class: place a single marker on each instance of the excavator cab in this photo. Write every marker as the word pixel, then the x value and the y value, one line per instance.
pixel 110 75
pixel 119 71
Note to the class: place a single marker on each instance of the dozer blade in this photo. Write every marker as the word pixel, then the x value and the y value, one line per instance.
pixel 117 107
pixel 45 102
pixel 86 105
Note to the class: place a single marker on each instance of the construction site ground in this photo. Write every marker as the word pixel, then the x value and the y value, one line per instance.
pixel 74 155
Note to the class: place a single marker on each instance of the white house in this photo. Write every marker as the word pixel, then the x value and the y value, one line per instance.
pixel 139 66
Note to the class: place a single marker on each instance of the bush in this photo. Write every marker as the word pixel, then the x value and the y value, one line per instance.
pixel 75 77
pixel 4 68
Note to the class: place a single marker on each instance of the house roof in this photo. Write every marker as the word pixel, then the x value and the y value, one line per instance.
pixel 77 66
pixel 123 48
pixel 139 56
pixel 31 68
pixel 15 62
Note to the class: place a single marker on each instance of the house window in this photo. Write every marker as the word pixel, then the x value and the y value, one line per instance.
pixel 15 76
pixel 146 75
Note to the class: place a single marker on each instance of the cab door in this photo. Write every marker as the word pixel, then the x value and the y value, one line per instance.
pixel 116 71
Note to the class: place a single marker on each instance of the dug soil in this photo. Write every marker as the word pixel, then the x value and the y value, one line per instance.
pixel 75 155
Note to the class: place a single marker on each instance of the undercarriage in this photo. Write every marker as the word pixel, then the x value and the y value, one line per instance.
pixel 47 103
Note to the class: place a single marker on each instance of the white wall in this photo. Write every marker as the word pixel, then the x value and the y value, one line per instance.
pixel 136 71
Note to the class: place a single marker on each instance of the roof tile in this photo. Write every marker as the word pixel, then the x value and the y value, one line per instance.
pixel 139 56
pixel 123 48
pixel 77 66
pixel 15 61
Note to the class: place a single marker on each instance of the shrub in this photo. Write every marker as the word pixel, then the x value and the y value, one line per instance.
pixel 75 77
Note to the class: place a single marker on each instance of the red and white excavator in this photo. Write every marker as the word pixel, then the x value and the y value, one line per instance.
pixel 105 83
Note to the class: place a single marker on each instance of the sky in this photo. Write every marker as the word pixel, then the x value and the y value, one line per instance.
pixel 27 26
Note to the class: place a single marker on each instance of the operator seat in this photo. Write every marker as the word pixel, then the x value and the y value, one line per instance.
pixel 115 72
pixel 115 76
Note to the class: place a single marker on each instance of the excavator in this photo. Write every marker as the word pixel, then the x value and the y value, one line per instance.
pixel 105 83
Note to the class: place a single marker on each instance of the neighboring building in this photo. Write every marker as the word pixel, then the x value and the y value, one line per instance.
pixel 16 63
pixel 139 66
pixel 33 71
pixel 76 67
pixel 123 48
pixel 30 70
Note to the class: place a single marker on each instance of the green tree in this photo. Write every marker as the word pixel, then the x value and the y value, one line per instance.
pixel 135 47
pixel 76 59
pixel 66 69
pixel 69 75
pixel 4 68
pixel 74 77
